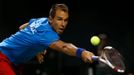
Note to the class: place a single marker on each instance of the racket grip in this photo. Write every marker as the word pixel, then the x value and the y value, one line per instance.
pixel 95 58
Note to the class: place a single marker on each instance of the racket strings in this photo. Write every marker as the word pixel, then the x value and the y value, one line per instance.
pixel 115 58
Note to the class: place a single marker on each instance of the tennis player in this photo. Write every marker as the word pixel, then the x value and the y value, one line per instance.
pixel 36 36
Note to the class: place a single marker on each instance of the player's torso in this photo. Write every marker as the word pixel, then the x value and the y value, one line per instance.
pixel 25 44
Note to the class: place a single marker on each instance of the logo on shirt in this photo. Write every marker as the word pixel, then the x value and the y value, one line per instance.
pixel 35 24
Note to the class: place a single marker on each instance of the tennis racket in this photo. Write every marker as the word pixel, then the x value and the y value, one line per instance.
pixel 111 57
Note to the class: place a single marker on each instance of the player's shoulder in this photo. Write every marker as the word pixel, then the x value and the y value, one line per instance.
pixel 40 20
pixel 43 21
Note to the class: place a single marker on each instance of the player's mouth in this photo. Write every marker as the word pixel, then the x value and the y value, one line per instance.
pixel 60 31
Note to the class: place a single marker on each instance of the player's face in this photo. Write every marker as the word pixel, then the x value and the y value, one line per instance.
pixel 59 22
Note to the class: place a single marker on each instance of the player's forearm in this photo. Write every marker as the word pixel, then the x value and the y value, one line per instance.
pixel 69 49
pixel 63 47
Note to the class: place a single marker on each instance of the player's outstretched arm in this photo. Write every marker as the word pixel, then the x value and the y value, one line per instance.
pixel 72 50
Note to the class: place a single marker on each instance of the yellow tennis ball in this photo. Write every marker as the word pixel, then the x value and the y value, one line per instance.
pixel 95 40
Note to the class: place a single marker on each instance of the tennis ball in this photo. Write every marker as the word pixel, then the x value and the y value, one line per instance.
pixel 95 40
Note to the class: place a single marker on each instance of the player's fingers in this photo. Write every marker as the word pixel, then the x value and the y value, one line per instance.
pixel 90 60
pixel 87 56
pixel 44 52
pixel 41 59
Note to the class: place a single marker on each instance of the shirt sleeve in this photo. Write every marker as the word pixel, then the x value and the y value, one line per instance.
pixel 48 37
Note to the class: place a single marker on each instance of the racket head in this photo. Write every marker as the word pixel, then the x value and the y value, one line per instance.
pixel 114 58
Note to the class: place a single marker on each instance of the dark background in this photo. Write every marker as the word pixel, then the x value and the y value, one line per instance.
pixel 87 18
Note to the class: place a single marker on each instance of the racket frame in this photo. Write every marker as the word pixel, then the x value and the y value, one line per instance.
pixel 104 60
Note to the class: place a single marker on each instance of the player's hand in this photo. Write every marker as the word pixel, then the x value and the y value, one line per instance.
pixel 87 56
pixel 40 56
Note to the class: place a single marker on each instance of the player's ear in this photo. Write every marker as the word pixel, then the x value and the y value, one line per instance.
pixel 50 19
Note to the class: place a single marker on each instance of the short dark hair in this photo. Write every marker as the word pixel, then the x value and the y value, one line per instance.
pixel 53 9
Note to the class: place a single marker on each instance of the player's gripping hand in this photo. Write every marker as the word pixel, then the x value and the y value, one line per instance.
pixel 87 56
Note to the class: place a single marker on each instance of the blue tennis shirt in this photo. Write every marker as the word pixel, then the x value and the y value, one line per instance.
pixel 26 43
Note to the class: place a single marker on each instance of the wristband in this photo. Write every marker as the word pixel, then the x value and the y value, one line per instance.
pixel 78 52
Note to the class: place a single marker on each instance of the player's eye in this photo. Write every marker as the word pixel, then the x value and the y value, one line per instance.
pixel 59 18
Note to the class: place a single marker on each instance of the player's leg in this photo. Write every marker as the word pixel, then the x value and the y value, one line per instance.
pixel 5 66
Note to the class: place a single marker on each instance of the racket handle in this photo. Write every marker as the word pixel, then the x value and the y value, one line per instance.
pixel 95 58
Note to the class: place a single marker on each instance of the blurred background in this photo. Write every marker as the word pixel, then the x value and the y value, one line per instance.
pixel 87 18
